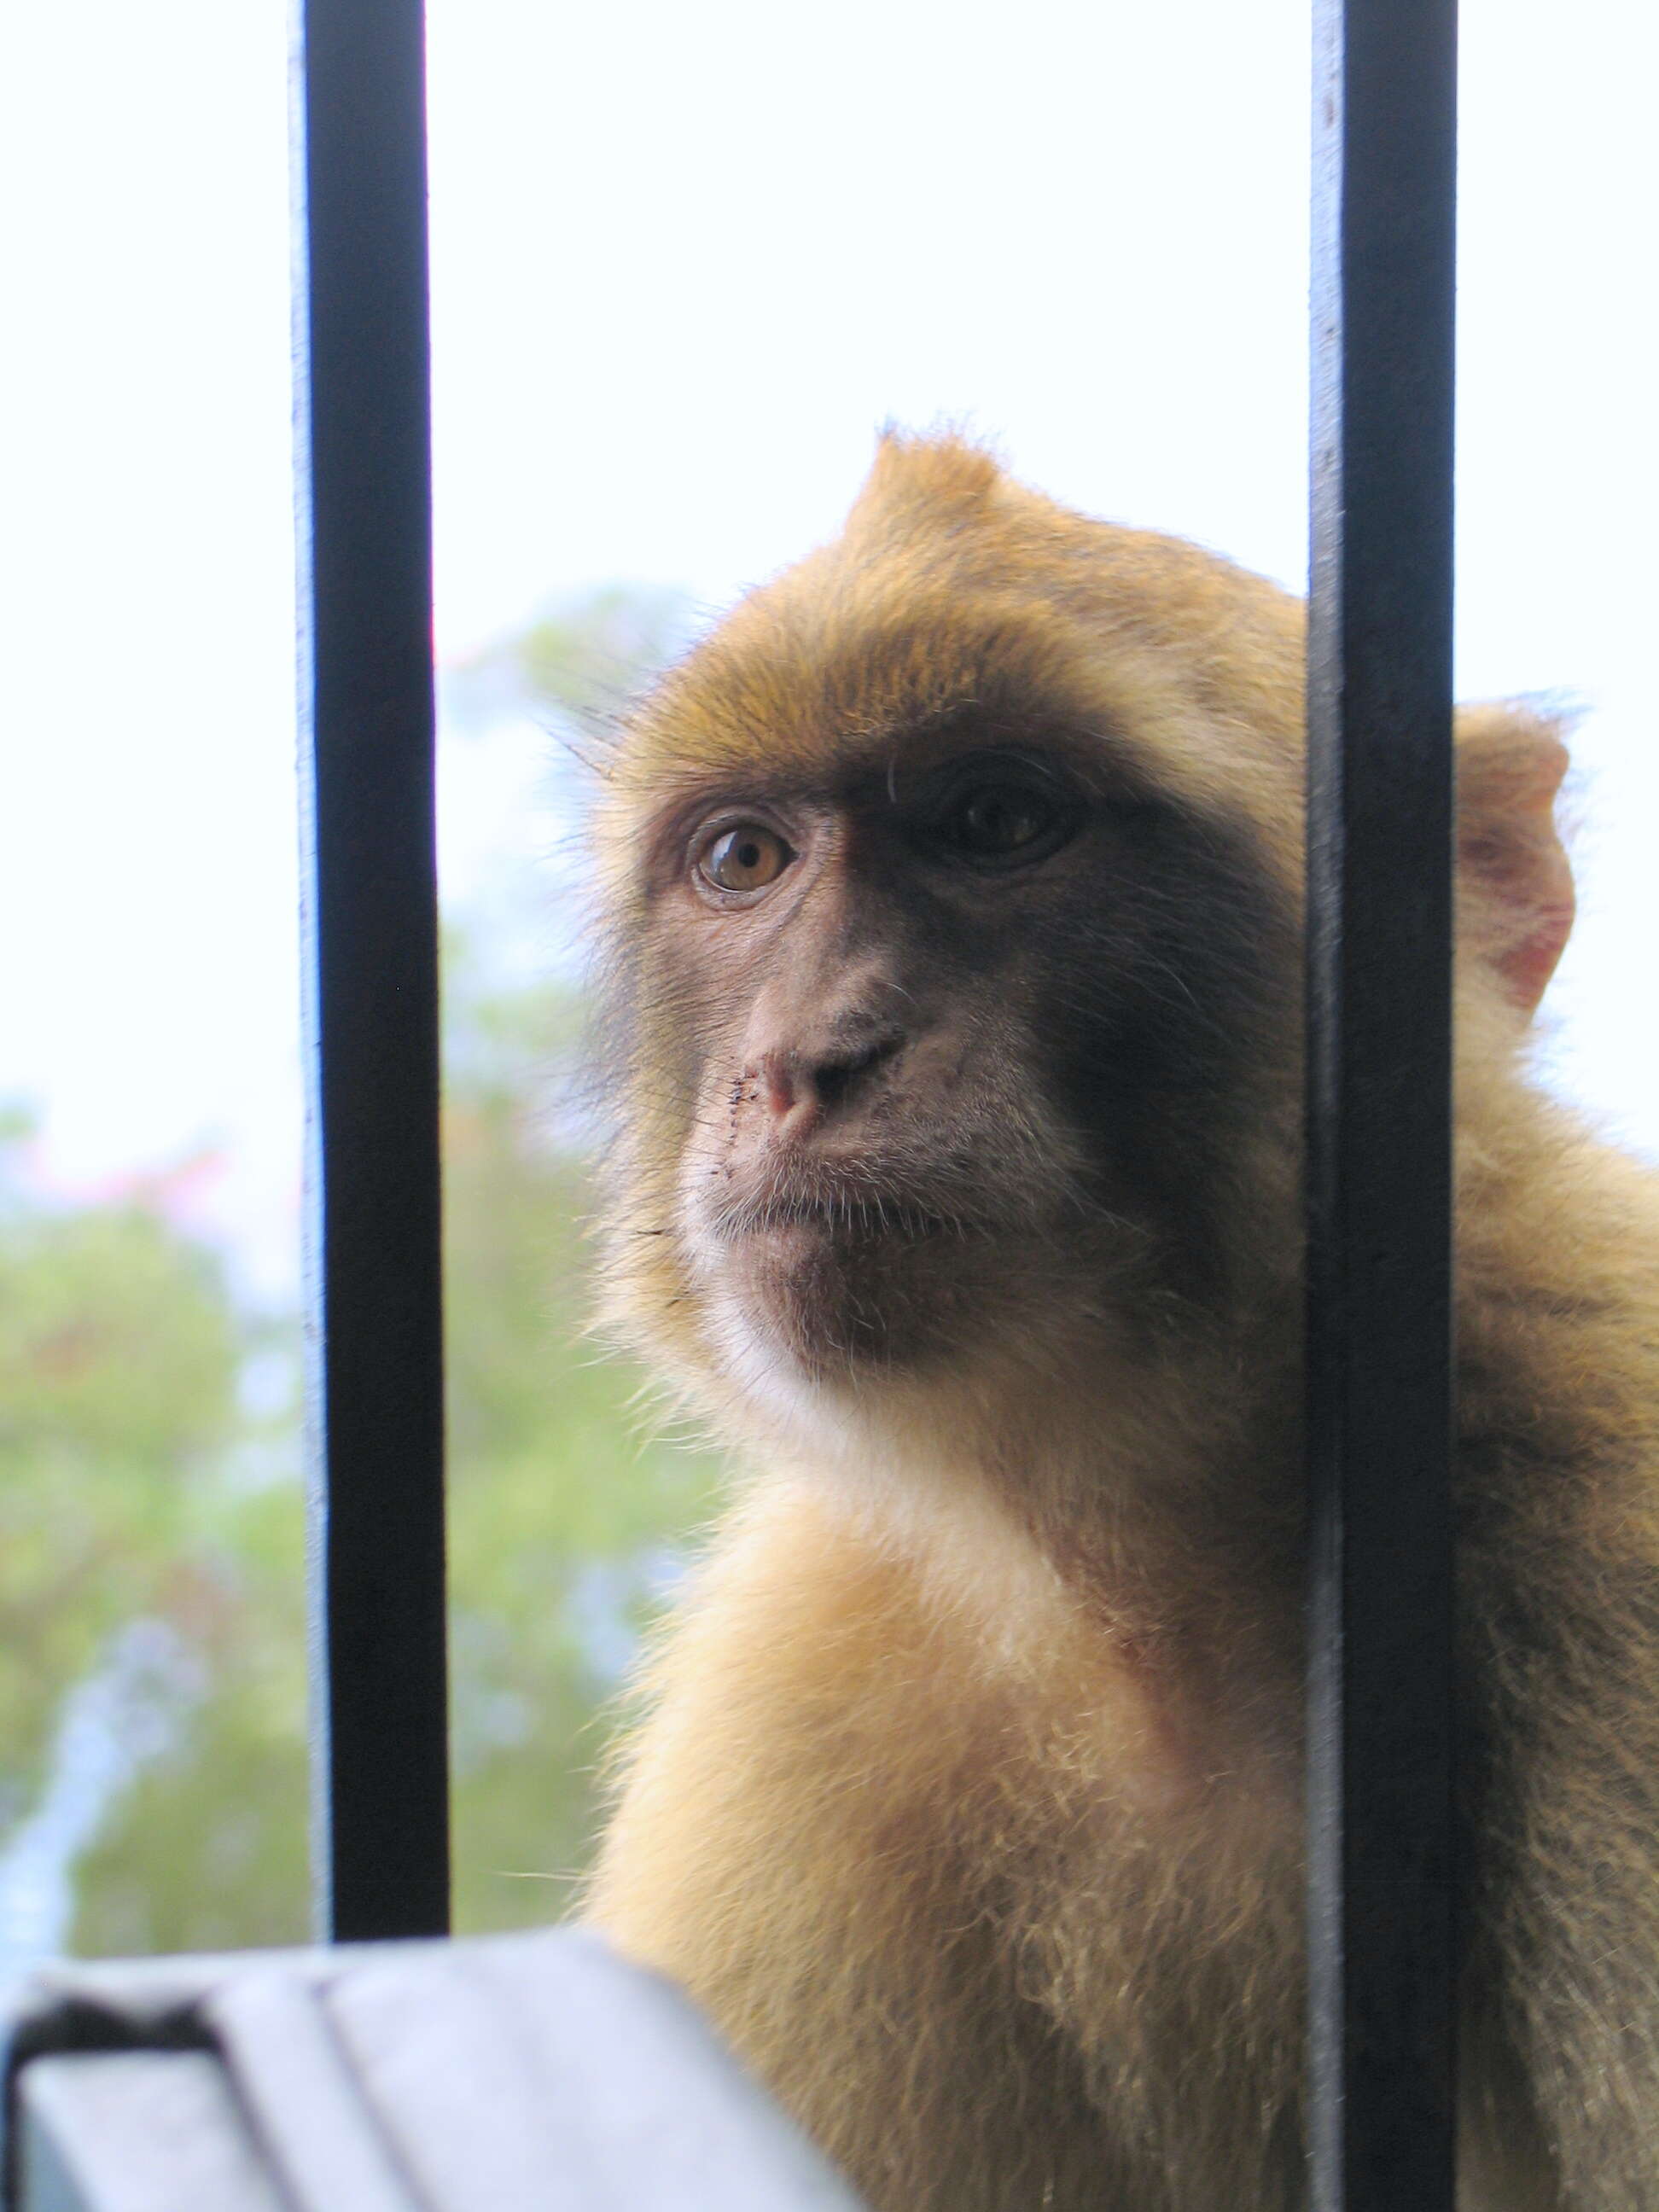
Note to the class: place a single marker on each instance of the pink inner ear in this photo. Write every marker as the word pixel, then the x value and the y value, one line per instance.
pixel 1508 849
pixel 1521 869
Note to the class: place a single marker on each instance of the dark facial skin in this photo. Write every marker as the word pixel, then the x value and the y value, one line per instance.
pixel 967 1020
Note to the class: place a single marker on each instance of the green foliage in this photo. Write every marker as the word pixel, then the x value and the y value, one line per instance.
pixel 564 1532
pixel 208 1850
pixel 117 1364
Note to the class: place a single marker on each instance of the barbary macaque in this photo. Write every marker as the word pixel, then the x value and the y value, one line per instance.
pixel 956 880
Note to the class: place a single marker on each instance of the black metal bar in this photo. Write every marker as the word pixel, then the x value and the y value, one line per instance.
pixel 1380 1383
pixel 381 1764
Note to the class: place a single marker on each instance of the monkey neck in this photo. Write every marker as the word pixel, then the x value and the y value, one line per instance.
pixel 1149 1494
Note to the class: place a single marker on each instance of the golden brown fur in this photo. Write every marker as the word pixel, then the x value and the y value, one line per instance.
pixel 967 1797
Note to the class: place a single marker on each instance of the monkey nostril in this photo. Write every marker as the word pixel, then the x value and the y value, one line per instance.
pixel 833 1079
pixel 779 1084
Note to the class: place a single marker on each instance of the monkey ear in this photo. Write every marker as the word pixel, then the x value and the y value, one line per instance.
pixel 1515 893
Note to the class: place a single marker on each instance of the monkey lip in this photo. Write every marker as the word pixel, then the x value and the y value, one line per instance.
pixel 826 1200
pixel 865 1218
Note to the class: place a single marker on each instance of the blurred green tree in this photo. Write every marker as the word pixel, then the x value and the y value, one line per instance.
pixel 117 1370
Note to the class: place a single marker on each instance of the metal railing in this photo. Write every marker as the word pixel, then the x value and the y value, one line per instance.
pixel 1379 1411
pixel 369 902
pixel 1381 1826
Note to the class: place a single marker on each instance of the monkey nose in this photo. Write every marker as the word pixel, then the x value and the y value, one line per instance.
pixel 798 1088
pixel 781 1088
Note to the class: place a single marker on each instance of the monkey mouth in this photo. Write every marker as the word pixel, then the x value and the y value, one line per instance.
pixel 844 1268
pixel 865 1218
pixel 833 1202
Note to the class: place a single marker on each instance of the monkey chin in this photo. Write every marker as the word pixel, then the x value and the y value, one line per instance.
pixel 848 1301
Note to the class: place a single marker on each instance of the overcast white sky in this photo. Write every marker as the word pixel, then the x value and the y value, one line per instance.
pixel 685 260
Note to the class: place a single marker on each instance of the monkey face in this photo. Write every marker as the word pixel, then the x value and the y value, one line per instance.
pixel 954 884
pixel 938 1018
pixel 870 1143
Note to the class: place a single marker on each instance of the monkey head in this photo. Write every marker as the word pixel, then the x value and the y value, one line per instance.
pixel 956 882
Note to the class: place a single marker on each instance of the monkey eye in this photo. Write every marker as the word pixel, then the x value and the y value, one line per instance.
pixel 747 857
pixel 1003 821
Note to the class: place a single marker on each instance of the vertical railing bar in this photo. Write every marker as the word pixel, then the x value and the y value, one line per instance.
pixel 1380 1382
pixel 379 1765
